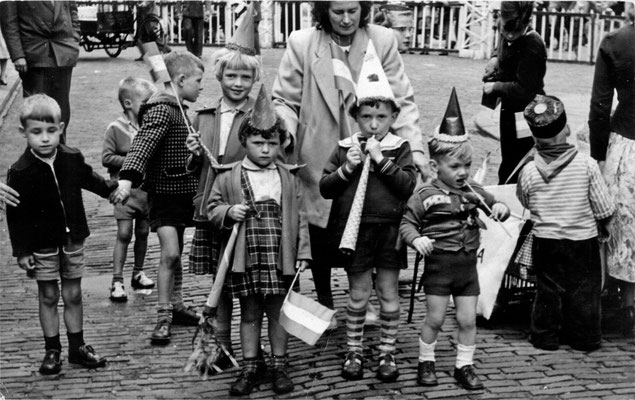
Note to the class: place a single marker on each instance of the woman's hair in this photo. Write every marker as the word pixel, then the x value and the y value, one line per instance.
pixel 372 102
pixel 516 15
pixel 40 107
pixel 231 59
pixel 320 13
pixel 460 150
pixel 247 129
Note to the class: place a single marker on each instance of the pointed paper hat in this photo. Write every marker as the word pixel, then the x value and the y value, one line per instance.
pixel 452 129
pixel 372 82
pixel 263 115
pixel 244 38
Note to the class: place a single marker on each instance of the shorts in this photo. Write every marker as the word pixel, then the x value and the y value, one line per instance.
pixel 376 248
pixel 451 273
pixel 135 208
pixel 170 210
pixel 66 262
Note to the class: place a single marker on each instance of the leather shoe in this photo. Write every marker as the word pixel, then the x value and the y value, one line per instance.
pixel 426 374
pixel 281 381
pixel 387 371
pixel 249 379
pixel 185 316
pixel 161 333
pixel 87 357
pixel 353 368
pixel 51 364
pixel 467 378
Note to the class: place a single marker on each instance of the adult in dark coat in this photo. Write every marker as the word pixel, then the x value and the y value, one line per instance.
pixel 43 40
pixel 194 14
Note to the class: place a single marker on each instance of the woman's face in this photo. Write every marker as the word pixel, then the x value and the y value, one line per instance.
pixel 345 16
pixel 508 35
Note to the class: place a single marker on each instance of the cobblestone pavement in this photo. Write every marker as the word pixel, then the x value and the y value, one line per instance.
pixel 509 366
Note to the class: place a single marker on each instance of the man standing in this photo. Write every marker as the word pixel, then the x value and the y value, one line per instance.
pixel 194 14
pixel 43 41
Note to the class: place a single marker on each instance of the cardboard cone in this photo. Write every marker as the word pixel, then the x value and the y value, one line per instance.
pixel 452 128
pixel 372 82
pixel 244 38
pixel 263 116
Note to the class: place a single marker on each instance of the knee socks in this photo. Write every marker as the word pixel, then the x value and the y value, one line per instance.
pixel 355 328
pixel 464 355
pixel 389 326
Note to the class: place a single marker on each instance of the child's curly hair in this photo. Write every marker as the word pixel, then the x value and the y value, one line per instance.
pixel 460 150
pixel 247 129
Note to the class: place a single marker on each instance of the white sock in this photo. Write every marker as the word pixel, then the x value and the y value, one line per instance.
pixel 426 351
pixel 464 355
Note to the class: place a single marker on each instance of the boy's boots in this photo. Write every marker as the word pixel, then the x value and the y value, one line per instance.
pixel 281 381
pixel 254 373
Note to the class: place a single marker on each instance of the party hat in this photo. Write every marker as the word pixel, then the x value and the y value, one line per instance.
pixel 372 82
pixel 263 116
pixel 244 38
pixel 452 128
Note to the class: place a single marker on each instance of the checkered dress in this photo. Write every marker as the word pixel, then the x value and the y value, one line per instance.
pixel 263 233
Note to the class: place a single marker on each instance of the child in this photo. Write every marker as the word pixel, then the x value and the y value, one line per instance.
pixel 391 181
pixel 264 197
pixel 566 195
pixel 119 135
pixel 441 222
pixel 157 158
pixel 48 227
pixel 237 71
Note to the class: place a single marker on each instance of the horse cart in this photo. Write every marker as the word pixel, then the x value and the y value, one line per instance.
pixel 112 31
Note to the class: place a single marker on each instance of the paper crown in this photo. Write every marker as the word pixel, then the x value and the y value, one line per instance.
pixel 545 116
pixel 263 115
pixel 452 129
pixel 372 82
pixel 244 38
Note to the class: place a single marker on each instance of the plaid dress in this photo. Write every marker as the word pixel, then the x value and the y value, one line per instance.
pixel 263 233
pixel 205 250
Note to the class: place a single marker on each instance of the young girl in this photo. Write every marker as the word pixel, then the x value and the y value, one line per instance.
pixel 263 196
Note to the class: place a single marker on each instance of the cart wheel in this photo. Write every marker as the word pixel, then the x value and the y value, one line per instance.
pixel 113 51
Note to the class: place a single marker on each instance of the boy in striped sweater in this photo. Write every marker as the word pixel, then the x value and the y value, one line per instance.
pixel 568 200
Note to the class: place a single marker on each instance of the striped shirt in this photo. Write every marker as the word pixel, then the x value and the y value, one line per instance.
pixel 568 206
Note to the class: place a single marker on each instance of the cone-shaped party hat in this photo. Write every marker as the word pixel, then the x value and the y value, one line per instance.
pixel 263 116
pixel 244 38
pixel 452 128
pixel 372 82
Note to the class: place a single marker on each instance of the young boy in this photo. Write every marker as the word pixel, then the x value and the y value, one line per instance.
pixel 119 135
pixel 391 180
pixel 263 196
pixel 218 126
pixel 48 227
pixel 567 197
pixel 157 158
pixel 441 222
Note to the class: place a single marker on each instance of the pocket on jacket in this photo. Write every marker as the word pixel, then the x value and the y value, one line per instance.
pixel 175 172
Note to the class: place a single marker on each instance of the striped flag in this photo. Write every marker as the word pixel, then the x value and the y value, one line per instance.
pixel 154 59
pixel 304 318
pixel 342 74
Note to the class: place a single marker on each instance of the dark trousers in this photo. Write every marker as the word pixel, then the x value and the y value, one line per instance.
pixel 568 288
pixel 512 149
pixel 54 82
pixel 193 29
pixel 320 266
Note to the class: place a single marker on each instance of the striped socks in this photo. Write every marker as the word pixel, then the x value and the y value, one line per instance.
pixel 389 327
pixel 355 328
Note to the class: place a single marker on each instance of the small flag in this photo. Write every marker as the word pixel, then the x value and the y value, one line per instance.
pixel 154 59
pixel 303 317
pixel 481 173
pixel 342 74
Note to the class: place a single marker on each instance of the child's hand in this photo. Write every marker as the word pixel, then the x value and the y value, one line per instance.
pixel 122 193
pixel 374 150
pixel 488 87
pixel 353 158
pixel 500 212
pixel 301 265
pixel 27 263
pixel 423 245
pixel 193 143
pixel 238 212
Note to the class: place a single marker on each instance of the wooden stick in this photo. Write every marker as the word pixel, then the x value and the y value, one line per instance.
pixel 482 200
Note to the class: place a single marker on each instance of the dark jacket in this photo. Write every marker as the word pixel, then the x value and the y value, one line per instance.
pixel 207 122
pixel 614 69
pixel 45 214
pixel 45 33
pixel 158 152
pixel 390 184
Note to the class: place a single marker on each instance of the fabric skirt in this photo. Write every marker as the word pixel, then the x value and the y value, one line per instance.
pixel 619 175
pixel 205 250
pixel 262 275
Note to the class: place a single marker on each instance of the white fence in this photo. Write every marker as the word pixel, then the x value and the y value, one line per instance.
pixel 464 27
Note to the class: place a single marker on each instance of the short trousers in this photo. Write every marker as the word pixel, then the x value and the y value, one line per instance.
pixel 135 208
pixel 451 273
pixel 66 262
pixel 170 210
pixel 376 248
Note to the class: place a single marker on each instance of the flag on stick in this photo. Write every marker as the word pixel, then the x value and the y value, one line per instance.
pixel 303 317
pixel 154 59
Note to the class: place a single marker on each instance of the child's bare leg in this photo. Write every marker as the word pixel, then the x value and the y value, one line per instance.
pixel 73 306
pixel 466 319
pixel 251 313
pixel 168 262
pixel 48 298
pixel 278 337
pixel 141 232
pixel 435 316
pixel 124 236
pixel 360 285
